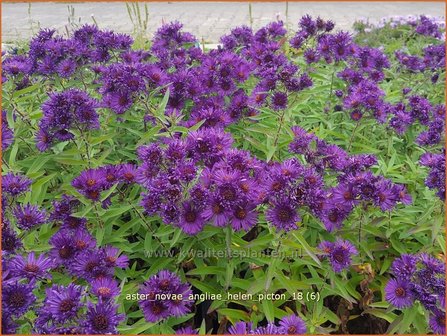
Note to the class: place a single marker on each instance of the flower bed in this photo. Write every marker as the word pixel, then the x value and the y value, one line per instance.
pixel 284 183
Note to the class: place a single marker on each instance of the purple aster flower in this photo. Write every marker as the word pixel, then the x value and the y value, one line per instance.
pixel 240 328
pixel 207 144
pixel 74 224
pixel 10 241
pixel 105 288
pixel 402 194
pixel 66 68
pixel 64 248
pixel 43 140
pixel 9 327
pixel 404 267
pixel 244 217
pixel 63 208
pixel 83 240
pixel 191 219
pixel 333 216
pixel 113 258
pixel 165 282
pixel 62 112
pixel 292 325
pixel 89 265
pixel 64 302
pixel 29 216
pixel 283 215
pixel 31 267
pixel 437 322
pixel 279 101
pixel 398 292
pixel 15 184
pixel 17 298
pixel 302 140
pixel 269 329
pixel 339 253
pixel 127 173
pixel 216 213
pixel 186 331
pixel 308 24
pixel 102 318
pixel 90 183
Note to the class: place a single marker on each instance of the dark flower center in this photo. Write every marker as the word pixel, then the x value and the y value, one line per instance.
pixel 217 209
pixel 229 193
pixel 276 186
pixel 66 305
pixel 111 259
pixel 190 216
pixel 164 285
pixel 110 177
pixel 65 252
pixel 91 182
pixel 241 213
pixel 367 190
pixel 128 176
pixel 73 222
pixel 93 194
pixel 104 291
pixel 80 244
pixel 32 268
pixel 90 266
pixel 400 292
pixel 333 216
pixel 202 147
pixel 100 322
pixel 122 101
pixel 28 218
pixel 291 330
pixel 338 257
pixel 8 244
pixel 155 77
pixel 285 215
pixel 312 179
pixel 244 186
pixel 17 299
pixel 347 195
pixel 157 309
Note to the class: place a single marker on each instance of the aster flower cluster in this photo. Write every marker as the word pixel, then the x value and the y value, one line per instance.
pixel 419 277
pixel 288 325
pixel 193 174
pixel 65 309
pixel 419 110
pixel 204 79
pixel 362 73
pixel 432 59
pixel 436 177
pixel 63 113
pixel 50 54
pixel 424 24
pixel 356 183
pixel 92 182
pixel 200 179
pixel 168 284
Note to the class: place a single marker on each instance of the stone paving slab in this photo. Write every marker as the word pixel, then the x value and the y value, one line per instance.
pixel 208 21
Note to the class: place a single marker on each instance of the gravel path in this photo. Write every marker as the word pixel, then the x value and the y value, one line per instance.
pixel 205 20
